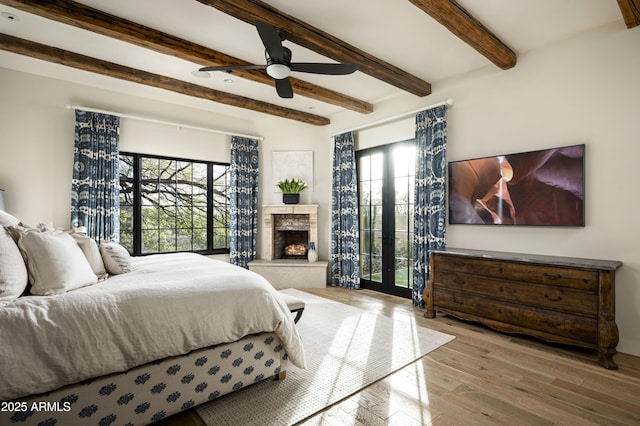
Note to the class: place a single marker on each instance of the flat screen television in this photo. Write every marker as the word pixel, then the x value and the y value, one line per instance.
pixel 544 187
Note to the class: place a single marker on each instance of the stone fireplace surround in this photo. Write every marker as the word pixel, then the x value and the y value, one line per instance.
pixel 290 273
pixel 279 218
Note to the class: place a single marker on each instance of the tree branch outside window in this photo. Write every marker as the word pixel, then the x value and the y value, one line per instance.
pixel 171 205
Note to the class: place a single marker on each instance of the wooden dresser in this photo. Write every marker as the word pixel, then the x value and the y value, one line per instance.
pixel 558 299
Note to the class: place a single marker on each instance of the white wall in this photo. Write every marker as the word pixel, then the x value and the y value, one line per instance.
pixel 150 138
pixel 584 90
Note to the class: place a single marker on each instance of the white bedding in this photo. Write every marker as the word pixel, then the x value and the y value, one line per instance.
pixel 168 305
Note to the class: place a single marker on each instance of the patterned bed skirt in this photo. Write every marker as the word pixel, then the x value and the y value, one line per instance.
pixel 153 391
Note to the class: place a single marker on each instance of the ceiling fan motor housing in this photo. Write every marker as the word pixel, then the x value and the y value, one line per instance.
pixel 279 69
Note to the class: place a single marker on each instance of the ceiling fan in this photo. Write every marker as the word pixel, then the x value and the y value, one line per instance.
pixel 279 63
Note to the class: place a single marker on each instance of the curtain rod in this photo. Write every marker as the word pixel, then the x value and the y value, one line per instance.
pixel 448 102
pixel 168 123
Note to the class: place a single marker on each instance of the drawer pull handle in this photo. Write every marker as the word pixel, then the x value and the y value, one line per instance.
pixel 553 299
pixel 458 281
pixel 552 277
pixel 459 265
pixel 552 323
pixel 457 302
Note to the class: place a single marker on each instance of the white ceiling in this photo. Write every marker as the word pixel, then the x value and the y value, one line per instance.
pixel 393 30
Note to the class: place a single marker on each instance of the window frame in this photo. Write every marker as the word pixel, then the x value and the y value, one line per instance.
pixel 137 202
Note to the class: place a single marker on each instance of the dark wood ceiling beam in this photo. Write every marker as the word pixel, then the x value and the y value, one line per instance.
pixel 630 12
pixel 461 23
pixel 110 69
pixel 87 18
pixel 312 38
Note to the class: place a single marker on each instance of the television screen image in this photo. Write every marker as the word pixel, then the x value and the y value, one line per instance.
pixel 544 187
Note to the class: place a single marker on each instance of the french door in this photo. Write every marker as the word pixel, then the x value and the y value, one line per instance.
pixel 386 180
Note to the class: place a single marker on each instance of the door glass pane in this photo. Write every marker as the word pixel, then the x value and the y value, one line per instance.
pixel 376 268
pixel 376 166
pixel 402 245
pixel 364 169
pixel 402 190
pixel 365 266
pixel 370 196
pixel 376 242
pixel 376 217
pixel 402 273
pixel 402 218
pixel 375 192
pixel 403 171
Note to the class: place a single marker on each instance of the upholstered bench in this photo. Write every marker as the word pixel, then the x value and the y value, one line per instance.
pixel 294 304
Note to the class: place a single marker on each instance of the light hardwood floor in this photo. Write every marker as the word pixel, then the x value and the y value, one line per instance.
pixel 482 377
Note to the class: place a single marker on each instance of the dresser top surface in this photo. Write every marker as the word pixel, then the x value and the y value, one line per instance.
pixel 536 258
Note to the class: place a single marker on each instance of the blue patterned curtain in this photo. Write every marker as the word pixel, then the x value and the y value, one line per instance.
pixel 345 240
pixel 430 213
pixel 95 188
pixel 244 200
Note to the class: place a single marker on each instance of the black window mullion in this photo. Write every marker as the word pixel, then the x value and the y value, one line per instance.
pixel 388 215
pixel 210 230
pixel 137 204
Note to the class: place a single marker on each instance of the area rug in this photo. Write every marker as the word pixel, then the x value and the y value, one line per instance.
pixel 346 350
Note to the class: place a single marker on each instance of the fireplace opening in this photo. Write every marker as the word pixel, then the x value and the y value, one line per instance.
pixel 291 244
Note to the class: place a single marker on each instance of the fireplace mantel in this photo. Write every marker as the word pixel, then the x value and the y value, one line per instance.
pixel 268 213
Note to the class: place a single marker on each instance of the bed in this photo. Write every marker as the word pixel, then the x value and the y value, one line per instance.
pixel 174 331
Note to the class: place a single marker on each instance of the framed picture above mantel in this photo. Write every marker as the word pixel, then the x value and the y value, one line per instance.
pixel 292 164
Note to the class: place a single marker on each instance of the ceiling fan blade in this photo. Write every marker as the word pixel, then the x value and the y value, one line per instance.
pixel 271 40
pixel 284 89
pixel 320 68
pixel 233 68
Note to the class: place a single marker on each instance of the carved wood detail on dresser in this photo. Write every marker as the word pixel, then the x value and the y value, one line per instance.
pixel 558 299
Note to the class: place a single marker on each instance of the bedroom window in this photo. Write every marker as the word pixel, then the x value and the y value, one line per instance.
pixel 172 205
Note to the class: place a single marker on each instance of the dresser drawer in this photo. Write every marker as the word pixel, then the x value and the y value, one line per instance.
pixel 562 299
pixel 565 326
pixel 582 279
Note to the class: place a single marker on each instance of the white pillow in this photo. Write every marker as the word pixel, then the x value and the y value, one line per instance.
pixel 7 220
pixel 54 261
pixel 116 258
pixel 90 249
pixel 13 271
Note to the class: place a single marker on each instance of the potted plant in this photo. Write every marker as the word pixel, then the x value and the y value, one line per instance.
pixel 291 189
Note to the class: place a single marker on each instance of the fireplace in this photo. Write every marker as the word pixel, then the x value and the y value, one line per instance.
pixel 289 230
pixel 289 244
pixel 297 224
pixel 291 236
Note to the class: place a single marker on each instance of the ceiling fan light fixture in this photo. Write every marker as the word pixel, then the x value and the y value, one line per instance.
pixel 200 74
pixel 278 71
